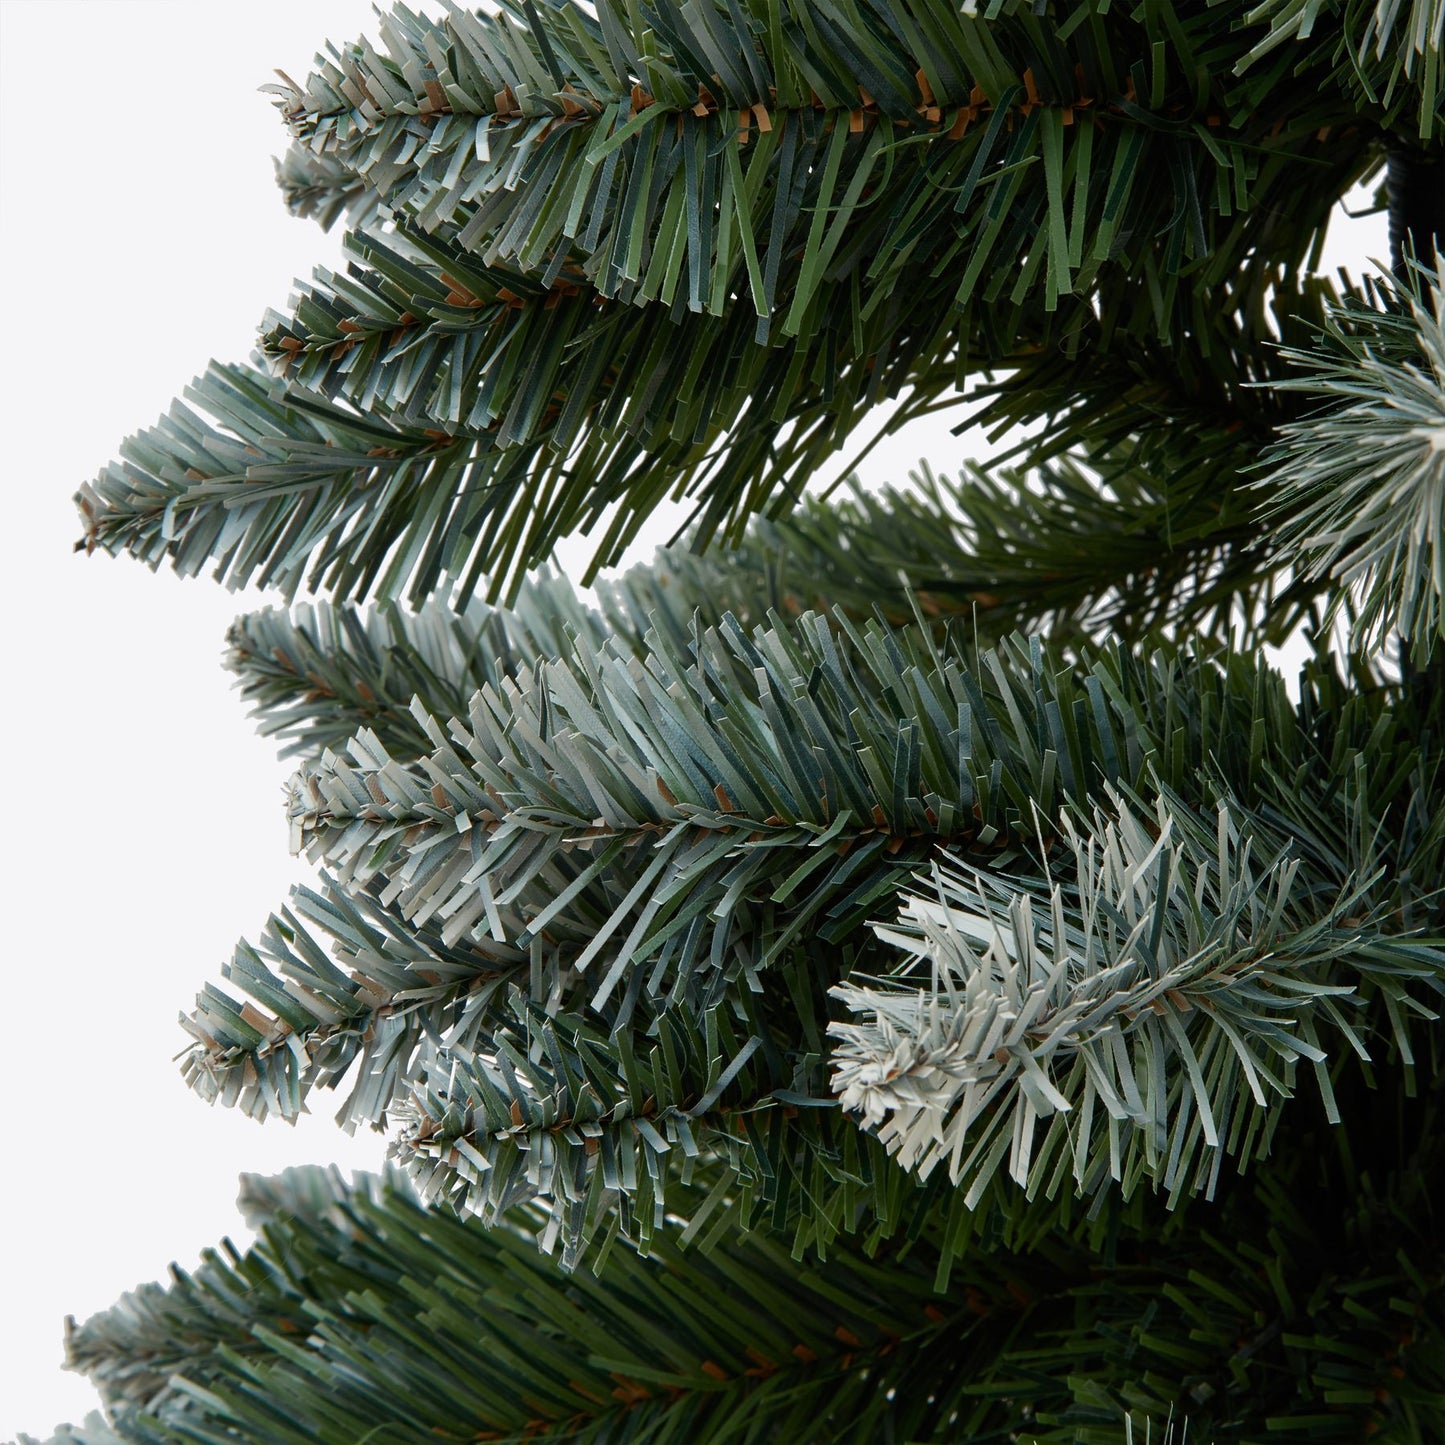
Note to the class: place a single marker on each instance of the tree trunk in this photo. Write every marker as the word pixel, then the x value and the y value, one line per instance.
pixel 1415 187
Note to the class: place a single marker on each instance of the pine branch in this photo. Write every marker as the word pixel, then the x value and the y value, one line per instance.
pixel 1310 1299
pixel 683 781
pixel 651 740
pixel 1059 550
pixel 1168 440
pixel 291 483
pixel 566 934
pixel 462 122
pixel 530 1350
pixel 132 1351
pixel 1375 533
pixel 417 327
pixel 319 674
pixel 826 229
pixel 310 1191
pixel 691 777
pixel 500 1100
pixel 1160 544
pixel 1390 54
pixel 302 492
pixel 366 1013
pixel 1146 1019
pixel 632 402
pixel 323 189
pixel 1234 1326
pixel 606 1124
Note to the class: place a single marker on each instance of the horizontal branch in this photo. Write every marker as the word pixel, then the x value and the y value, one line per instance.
pixel 1137 1023
pixel 421 1321
pixel 285 489
pixel 672 831
pixel 366 1013
pixel 318 674
pixel 462 123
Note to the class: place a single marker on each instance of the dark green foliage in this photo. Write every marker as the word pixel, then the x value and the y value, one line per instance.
pixel 1305 1306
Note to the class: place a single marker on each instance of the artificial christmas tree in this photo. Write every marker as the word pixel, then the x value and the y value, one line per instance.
pixel 895 968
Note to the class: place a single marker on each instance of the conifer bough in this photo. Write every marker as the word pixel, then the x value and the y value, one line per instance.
pixel 617 266
pixel 899 965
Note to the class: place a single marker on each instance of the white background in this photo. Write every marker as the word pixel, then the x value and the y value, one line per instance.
pixel 142 235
